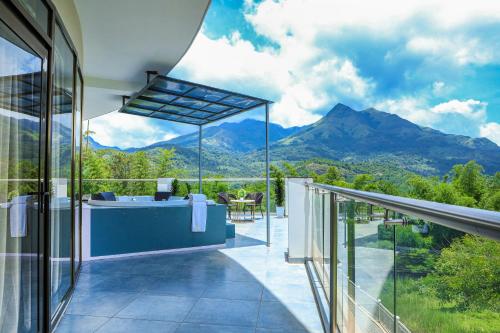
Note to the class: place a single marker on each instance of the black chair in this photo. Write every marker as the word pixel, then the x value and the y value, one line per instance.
pixel 162 196
pixel 106 196
pixel 225 199
pixel 257 197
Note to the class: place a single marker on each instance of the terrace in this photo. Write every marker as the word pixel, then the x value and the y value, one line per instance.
pixel 244 287
pixel 341 260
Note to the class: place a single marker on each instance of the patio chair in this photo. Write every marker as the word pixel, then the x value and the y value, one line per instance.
pixel 257 197
pixel 107 196
pixel 225 199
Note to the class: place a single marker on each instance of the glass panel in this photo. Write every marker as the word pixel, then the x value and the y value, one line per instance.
pixel 188 102
pixel 38 10
pixel 453 277
pixel 199 114
pixel 137 111
pixel 165 116
pixel 176 109
pixel 240 102
pixel 19 184
pixel 367 270
pixel 77 138
pixel 317 225
pixel 146 104
pixel 215 108
pixel 206 94
pixel 161 97
pixel 326 244
pixel 60 212
pixel 175 87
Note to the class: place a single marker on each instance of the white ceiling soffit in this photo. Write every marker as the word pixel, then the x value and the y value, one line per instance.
pixel 124 38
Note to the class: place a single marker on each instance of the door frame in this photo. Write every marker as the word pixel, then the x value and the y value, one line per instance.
pixel 18 27
pixel 17 18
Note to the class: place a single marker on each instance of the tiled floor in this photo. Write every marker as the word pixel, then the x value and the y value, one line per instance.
pixel 243 288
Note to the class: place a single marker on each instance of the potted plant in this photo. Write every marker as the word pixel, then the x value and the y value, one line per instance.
pixel 242 194
pixel 175 187
pixel 279 192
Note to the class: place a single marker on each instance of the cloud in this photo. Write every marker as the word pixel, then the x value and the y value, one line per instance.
pixel 125 131
pixel 491 131
pixel 404 57
pixel 466 117
pixel 470 109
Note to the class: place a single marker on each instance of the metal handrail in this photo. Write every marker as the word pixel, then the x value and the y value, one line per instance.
pixel 471 220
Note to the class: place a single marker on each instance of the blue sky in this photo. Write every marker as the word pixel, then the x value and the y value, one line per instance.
pixel 435 63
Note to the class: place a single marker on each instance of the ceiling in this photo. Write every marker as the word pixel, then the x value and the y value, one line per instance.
pixel 124 38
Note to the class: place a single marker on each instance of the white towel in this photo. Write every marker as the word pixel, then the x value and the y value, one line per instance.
pixel 199 218
pixel 18 216
pixel 197 197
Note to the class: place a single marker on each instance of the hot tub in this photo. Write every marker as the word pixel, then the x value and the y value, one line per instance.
pixel 126 228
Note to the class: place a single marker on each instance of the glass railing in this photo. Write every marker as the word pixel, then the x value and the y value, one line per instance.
pixel 210 186
pixel 403 265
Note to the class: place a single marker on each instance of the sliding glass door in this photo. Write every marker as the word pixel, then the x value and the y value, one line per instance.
pixel 22 105
pixel 60 170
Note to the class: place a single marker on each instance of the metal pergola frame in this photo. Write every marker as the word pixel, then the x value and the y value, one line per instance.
pixel 182 103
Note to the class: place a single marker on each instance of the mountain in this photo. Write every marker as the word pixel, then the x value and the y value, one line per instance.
pixel 369 137
pixel 245 136
pixel 348 135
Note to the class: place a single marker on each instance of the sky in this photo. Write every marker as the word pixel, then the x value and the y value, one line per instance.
pixel 435 63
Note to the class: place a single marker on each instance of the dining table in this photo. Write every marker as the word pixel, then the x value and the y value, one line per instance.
pixel 238 214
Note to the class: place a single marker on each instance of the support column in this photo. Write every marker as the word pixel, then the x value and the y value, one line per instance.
pixel 200 134
pixel 268 181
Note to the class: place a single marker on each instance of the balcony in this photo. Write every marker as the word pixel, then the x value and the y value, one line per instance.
pixel 399 264
pixel 243 287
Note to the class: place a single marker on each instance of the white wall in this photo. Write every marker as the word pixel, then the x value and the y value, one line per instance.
pixel 298 206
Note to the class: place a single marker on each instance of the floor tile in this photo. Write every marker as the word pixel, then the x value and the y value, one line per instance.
pixel 167 308
pixel 250 291
pixel 204 328
pixel 292 316
pixel 176 287
pixel 122 325
pixel 80 324
pixel 99 303
pixel 224 312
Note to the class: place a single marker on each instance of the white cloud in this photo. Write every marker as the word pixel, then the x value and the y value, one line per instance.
pixel 306 77
pixel 471 109
pixel 491 131
pixel 125 131
pixel 460 50
pixel 294 76
pixel 467 117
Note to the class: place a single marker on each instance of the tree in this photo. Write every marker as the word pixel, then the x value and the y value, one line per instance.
pixel 420 188
pixel 361 181
pixel 290 170
pixel 332 176
pixel 165 163
pixel 468 273
pixel 469 179
pixel 140 169
pixel 94 167
pixel 120 165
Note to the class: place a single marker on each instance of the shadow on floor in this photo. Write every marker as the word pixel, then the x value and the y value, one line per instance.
pixel 245 287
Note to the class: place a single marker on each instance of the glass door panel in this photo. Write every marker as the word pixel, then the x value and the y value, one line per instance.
pixel 60 170
pixel 21 94
pixel 77 197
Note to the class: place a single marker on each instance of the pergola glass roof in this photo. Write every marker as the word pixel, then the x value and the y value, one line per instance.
pixel 187 102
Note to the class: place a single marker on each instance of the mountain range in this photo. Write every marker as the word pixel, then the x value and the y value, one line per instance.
pixel 343 134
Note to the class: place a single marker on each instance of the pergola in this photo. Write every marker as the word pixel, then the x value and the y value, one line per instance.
pixel 191 103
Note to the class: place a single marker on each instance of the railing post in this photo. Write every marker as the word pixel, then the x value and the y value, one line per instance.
pixel 333 261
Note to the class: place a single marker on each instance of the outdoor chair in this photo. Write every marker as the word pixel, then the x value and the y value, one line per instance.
pixel 225 199
pixel 107 196
pixel 257 197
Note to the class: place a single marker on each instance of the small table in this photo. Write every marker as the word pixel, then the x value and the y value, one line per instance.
pixel 239 215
